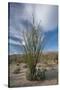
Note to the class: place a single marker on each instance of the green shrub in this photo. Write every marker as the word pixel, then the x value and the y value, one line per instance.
pixel 38 75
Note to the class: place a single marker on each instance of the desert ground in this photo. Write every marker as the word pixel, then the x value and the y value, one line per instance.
pixel 19 80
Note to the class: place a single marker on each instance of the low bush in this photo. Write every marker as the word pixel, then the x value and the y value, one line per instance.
pixel 38 75
pixel 17 70
pixel 25 66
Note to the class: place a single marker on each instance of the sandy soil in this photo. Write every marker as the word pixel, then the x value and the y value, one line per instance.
pixel 19 80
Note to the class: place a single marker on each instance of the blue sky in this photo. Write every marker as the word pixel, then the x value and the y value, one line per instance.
pixel 20 15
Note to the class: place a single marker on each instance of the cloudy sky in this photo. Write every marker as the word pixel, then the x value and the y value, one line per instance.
pixel 20 15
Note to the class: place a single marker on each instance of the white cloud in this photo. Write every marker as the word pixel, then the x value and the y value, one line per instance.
pixel 13 42
pixel 47 14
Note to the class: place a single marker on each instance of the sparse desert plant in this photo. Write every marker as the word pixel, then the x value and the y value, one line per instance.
pixel 56 59
pixel 17 70
pixel 41 74
pixel 25 66
pixel 38 75
pixel 18 63
pixel 34 44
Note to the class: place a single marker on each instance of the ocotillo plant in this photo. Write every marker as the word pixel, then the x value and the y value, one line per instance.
pixel 34 43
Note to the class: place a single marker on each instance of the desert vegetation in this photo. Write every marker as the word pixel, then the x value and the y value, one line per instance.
pixel 34 44
pixel 19 74
pixel 33 65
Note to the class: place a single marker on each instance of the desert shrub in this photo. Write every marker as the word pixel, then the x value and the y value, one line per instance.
pixel 17 70
pixel 56 59
pixel 38 75
pixel 17 64
pixel 25 66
